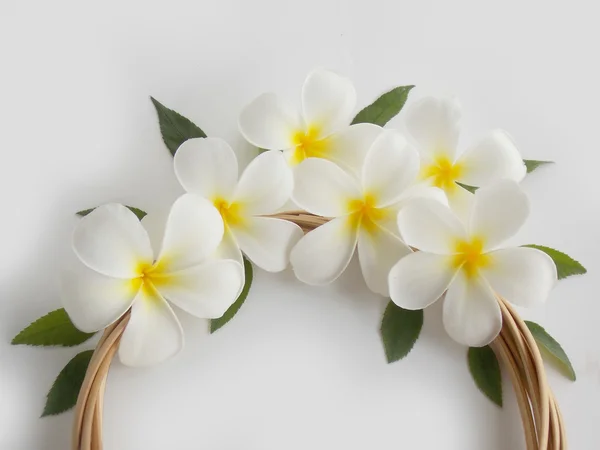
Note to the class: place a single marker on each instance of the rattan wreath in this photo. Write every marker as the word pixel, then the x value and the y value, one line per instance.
pixel 515 347
pixel 425 221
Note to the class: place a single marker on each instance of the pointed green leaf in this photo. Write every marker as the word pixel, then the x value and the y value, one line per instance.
pixel 138 212
pixel 551 348
pixel 175 128
pixel 55 328
pixel 400 329
pixel 215 324
pixel 64 391
pixel 382 110
pixel 532 164
pixel 565 265
pixel 485 370
pixel 471 189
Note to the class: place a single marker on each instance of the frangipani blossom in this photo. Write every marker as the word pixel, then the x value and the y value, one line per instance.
pixel 363 213
pixel 322 129
pixel 119 270
pixel 466 261
pixel 434 124
pixel 208 167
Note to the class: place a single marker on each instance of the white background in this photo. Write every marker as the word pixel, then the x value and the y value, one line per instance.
pixel 299 368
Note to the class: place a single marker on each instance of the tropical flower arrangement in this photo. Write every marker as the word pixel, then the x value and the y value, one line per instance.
pixel 428 222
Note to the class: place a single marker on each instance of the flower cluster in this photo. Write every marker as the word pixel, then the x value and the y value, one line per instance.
pixel 402 203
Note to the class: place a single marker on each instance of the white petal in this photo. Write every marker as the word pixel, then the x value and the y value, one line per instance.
pixel 154 224
pixel 434 124
pixel 493 158
pixel 419 279
pixel 324 253
pixel 266 184
pixel 421 191
pixel 289 155
pixel 229 249
pixel 94 301
pixel 268 241
pixel 328 101
pixel 349 146
pixel 461 202
pixel 207 167
pixel 194 230
pixel 430 226
pixel 471 312
pixel 269 123
pixel 391 165
pixel 111 240
pixel 523 276
pixel 205 291
pixel 153 333
pixel 413 193
pixel 498 212
pixel 323 188
pixel 389 220
pixel 378 251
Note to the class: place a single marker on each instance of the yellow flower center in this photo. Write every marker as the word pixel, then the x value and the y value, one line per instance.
pixel 231 212
pixel 470 257
pixel 443 172
pixel 149 277
pixel 364 213
pixel 308 144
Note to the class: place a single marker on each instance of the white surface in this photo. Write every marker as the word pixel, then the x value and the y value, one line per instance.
pixel 300 367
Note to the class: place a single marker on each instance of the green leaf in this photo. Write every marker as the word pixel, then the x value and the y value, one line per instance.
pixel 485 370
pixel 138 212
pixel 551 348
pixel 215 324
pixel 64 391
pixel 532 164
pixel 400 329
pixel 382 110
pixel 175 128
pixel 471 189
pixel 565 265
pixel 55 328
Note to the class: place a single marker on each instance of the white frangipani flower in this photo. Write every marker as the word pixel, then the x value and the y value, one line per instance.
pixel 434 124
pixel 208 167
pixel 322 129
pixel 119 271
pixel 363 212
pixel 466 261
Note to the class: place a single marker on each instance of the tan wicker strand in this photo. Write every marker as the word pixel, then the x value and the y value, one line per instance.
pixel 89 414
pixel 90 391
pixel 528 371
pixel 87 382
pixel 554 440
pixel 515 347
pixel 563 431
pixel 542 397
pixel 503 353
pixel 97 425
